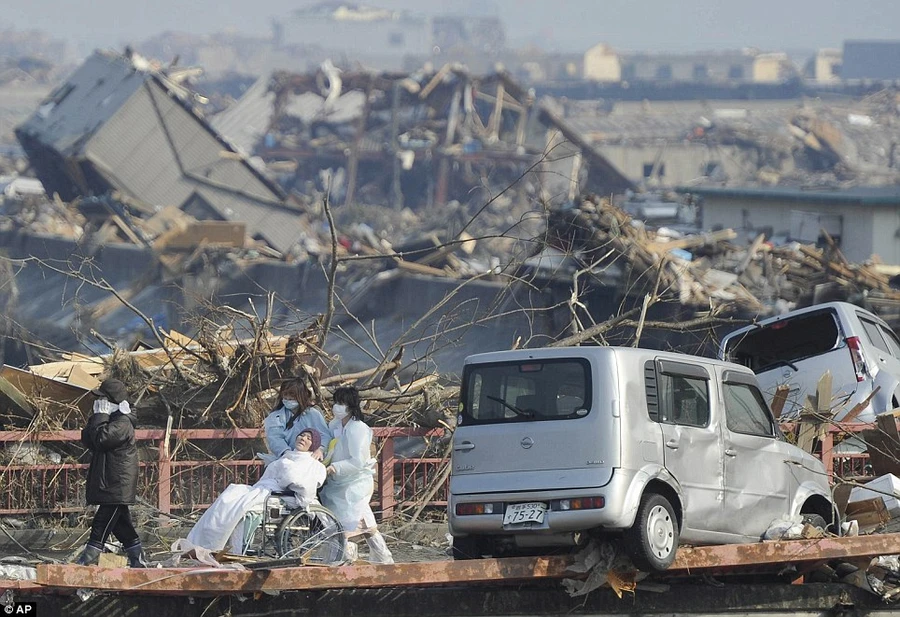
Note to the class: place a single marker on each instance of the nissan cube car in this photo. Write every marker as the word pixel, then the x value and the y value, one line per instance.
pixel 795 349
pixel 556 445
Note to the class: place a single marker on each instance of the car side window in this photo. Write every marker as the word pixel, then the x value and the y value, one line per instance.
pixel 873 333
pixel 686 400
pixel 892 341
pixel 746 411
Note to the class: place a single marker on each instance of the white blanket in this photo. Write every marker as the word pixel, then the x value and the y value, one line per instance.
pixel 295 471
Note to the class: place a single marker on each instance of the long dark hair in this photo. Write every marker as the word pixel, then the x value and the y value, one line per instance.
pixel 303 398
pixel 349 396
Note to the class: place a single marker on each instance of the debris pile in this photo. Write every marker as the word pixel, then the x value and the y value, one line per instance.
pixel 707 269
pixel 212 380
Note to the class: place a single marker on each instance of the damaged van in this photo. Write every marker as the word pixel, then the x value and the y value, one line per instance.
pixel 795 349
pixel 556 445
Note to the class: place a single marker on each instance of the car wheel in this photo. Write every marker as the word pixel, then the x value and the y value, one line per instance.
pixel 468 547
pixel 653 539
pixel 815 520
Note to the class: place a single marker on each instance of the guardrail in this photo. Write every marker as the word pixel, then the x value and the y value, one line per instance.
pixel 173 484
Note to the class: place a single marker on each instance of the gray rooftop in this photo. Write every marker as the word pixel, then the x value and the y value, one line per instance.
pixel 862 195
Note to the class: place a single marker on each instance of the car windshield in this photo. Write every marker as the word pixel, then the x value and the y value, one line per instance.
pixel 784 342
pixel 525 391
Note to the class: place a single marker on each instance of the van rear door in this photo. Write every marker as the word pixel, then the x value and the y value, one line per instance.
pixel 530 425
pixel 796 351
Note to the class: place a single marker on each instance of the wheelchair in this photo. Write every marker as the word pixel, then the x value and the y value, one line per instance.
pixel 283 530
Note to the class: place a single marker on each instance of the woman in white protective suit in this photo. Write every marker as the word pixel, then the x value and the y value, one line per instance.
pixel 297 470
pixel 351 472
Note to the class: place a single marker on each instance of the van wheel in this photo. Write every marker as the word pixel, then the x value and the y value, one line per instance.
pixel 652 540
pixel 816 520
pixel 468 547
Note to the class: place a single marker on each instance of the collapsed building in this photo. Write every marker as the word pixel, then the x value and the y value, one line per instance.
pixel 121 123
pixel 414 140
pixel 794 143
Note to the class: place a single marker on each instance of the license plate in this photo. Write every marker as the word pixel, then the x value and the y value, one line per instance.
pixel 524 513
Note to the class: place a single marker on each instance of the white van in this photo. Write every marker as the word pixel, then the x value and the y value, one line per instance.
pixel 858 348
pixel 553 445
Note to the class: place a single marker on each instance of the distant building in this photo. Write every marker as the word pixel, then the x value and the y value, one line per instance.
pixel 379 38
pixel 825 66
pixel 863 221
pixel 480 34
pixel 119 123
pixel 603 64
pixel 871 60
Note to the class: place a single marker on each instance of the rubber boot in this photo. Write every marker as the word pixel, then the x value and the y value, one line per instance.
pixel 136 557
pixel 378 549
pixel 90 556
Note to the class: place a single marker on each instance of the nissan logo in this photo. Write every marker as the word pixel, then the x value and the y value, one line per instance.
pixel 527 442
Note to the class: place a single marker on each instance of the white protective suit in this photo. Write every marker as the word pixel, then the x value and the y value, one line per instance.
pixel 349 490
pixel 295 471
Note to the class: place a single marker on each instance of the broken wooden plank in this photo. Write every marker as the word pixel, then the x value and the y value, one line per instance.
pixel 15 399
pixel 780 398
pixel 215 233
pixel 38 387
pixel 869 513
pixel 858 408
pixel 884 446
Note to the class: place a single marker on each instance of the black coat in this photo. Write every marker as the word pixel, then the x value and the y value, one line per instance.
pixel 112 476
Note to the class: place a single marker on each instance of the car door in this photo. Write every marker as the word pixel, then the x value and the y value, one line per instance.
pixel 692 440
pixel 758 478
pixel 885 353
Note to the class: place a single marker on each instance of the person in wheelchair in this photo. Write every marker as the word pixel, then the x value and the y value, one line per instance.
pixel 351 471
pixel 296 471
pixel 293 413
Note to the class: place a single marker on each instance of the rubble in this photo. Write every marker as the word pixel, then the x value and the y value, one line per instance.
pixel 707 269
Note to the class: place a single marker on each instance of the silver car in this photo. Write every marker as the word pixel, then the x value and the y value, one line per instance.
pixel 554 445
pixel 858 348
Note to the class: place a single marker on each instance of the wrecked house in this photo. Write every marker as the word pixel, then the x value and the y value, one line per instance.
pixel 121 123
pixel 410 140
pixel 668 144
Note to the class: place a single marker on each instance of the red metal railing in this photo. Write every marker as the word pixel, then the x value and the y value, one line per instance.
pixel 171 483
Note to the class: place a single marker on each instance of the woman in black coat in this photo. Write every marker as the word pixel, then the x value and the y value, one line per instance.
pixel 113 473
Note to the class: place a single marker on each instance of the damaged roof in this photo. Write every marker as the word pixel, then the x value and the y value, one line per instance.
pixel 119 123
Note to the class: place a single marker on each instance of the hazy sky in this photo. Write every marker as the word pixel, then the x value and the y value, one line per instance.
pixel 565 25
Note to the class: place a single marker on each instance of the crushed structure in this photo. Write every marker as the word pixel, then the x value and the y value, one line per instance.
pixel 121 123
pixel 406 139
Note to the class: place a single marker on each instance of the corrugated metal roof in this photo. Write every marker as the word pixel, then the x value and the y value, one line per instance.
pixel 246 121
pixel 147 142
pixel 138 145
pixel 88 98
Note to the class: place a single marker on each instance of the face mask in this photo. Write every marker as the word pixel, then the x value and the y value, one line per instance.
pixel 290 404
pixel 104 406
pixel 339 411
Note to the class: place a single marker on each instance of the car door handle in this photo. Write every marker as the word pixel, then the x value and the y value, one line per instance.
pixel 464 446
pixel 730 452
pixel 672 444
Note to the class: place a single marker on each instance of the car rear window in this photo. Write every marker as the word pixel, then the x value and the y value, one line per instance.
pixel 790 340
pixel 525 391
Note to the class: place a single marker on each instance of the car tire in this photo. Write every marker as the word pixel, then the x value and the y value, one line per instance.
pixel 816 520
pixel 467 547
pixel 653 539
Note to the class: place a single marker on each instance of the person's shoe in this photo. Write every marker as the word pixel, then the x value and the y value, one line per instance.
pixel 136 557
pixel 90 556
pixel 378 549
